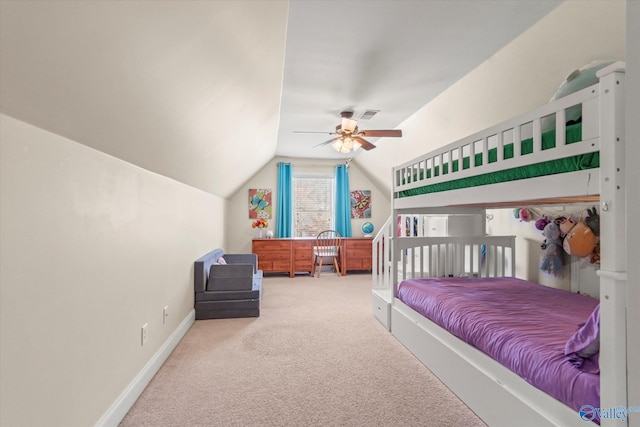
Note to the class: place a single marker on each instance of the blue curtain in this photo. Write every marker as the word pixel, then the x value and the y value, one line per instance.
pixel 284 208
pixel 343 201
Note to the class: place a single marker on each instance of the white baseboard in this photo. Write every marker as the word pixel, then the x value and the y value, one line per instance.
pixel 128 397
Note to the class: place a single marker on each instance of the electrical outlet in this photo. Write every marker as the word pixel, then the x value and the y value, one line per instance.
pixel 143 334
pixel 165 314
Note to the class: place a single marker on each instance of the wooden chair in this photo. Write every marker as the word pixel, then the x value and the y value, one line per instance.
pixel 327 246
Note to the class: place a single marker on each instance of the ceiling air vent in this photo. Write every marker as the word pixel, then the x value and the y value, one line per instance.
pixel 368 114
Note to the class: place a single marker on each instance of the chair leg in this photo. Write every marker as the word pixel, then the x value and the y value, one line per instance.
pixel 313 269
pixel 335 264
pixel 320 268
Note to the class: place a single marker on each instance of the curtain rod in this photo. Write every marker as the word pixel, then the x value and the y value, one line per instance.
pixel 313 165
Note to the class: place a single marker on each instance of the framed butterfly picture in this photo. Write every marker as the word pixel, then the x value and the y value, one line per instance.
pixel 361 204
pixel 260 203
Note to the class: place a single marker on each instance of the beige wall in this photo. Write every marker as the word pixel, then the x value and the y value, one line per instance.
pixel 92 248
pixel 238 225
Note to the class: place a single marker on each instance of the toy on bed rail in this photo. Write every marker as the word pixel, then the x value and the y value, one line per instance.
pixel 552 256
pixel 542 222
pixel 593 220
pixel 522 214
pixel 576 238
pixel 580 240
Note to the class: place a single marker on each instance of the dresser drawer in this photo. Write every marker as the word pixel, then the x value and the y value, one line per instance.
pixel 271 244
pixel 265 265
pixel 303 255
pixel 358 253
pixel 303 265
pixel 359 244
pixel 302 250
pixel 354 264
pixel 367 263
pixel 276 256
pixel 282 265
pixel 274 266
pixel 358 264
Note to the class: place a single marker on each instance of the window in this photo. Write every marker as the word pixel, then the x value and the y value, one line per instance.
pixel 313 200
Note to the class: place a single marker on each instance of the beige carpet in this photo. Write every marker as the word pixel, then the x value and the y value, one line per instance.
pixel 316 356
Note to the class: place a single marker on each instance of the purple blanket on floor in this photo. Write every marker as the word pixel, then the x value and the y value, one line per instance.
pixel 520 324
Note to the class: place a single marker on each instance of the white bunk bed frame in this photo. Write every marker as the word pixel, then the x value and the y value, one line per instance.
pixel 496 394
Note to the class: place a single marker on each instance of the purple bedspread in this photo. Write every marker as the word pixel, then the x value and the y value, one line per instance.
pixel 522 325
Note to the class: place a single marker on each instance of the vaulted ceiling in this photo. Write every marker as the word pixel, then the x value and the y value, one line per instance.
pixel 208 92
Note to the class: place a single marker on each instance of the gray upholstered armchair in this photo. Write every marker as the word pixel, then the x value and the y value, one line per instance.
pixel 227 285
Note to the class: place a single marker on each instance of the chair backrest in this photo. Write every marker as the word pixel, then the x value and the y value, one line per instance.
pixel 327 243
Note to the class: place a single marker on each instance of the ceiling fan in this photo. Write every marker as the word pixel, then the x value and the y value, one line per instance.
pixel 348 137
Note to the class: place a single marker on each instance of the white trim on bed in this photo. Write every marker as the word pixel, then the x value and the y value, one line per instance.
pixel 613 281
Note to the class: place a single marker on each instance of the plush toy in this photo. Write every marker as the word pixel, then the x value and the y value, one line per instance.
pixel 552 255
pixel 593 221
pixel 580 240
pixel 566 226
pixel 595 255
pixel 524 215
pixel 541 223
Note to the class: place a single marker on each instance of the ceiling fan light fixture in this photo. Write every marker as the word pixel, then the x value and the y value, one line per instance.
pixel 345 144
pixel 349 125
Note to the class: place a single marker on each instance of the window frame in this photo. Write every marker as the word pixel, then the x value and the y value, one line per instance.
pixel 325 175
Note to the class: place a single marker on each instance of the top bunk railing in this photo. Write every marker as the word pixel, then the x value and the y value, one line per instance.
pixel 538 137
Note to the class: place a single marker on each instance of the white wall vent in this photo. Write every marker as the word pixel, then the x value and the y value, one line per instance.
pixel 368 114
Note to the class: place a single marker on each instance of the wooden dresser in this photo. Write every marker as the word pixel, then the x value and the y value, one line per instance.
pixel 357 253
pixel 296 255
pixel 274 255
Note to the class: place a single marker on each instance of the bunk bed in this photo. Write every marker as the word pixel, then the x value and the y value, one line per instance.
pixel 515 163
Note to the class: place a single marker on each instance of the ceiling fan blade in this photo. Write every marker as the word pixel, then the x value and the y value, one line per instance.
pixel 364 143
pixel 391 133
pixel 326 142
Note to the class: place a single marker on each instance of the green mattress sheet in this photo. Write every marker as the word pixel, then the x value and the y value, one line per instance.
pixel 551 167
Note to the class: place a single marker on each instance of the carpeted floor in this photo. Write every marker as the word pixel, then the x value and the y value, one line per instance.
pixel 316 356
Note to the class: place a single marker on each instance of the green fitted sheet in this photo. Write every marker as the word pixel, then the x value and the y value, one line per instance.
pixel 551 167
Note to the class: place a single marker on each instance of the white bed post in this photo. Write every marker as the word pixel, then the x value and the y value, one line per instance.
pixel 613 278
